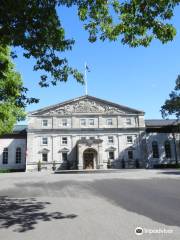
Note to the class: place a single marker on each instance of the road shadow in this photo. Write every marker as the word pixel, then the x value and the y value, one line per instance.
pixel 171 173
pixel 24 214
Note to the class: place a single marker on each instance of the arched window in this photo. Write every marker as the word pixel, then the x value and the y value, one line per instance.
pixel 167 147
pixel 155 149
pixel 5 156
pixel 18 155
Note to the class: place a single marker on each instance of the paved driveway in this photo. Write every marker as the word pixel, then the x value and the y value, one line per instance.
pixel 90 206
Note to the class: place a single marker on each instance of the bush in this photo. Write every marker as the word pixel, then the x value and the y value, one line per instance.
pixel 39 166
pixel 168 165
pixel 5 170
pixel 11 170
pixel 54 166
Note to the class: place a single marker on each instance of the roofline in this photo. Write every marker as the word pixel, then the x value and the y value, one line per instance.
pixel 90 97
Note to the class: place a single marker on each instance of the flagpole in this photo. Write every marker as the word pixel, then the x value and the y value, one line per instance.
pixel 85 78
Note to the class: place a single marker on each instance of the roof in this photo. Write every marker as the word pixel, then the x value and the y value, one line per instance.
pixel 161 122
pixel 19 128
pixel 19 131
pixel 90 98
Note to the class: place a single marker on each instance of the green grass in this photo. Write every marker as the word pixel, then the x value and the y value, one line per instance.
pixel 5 170
pixel 11 170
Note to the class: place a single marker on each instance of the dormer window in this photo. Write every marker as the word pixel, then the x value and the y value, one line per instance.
pixel 64 122
pixel 109 122
pixel 44 122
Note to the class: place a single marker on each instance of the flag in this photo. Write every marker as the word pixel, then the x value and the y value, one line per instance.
pixel 87 68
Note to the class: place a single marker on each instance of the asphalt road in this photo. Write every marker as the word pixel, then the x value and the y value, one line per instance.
pixel 93 206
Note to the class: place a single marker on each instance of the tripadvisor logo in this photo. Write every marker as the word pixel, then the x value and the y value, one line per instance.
pixel 139 231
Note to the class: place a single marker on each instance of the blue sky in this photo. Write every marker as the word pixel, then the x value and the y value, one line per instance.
pixel 140 78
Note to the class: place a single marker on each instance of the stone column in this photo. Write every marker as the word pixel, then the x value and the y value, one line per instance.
pixel 80 157
pixel 100 159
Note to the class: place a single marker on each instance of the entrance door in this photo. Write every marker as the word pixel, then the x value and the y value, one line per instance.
pixel 88 160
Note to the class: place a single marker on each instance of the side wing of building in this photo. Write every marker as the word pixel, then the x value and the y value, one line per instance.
pixel 162 142
pixel 13 149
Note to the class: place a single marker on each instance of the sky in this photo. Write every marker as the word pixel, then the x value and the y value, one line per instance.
pixel 140 78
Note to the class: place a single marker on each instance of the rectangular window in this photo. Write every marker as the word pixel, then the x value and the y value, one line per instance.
pixel 45 141
pixel 18 155
pixel 91 138
pixel 64 140
pixel 83 122
pixel 128 121
pixel 64 156
pixel 64 122
pixel 91 122
pixel 111 155
pixel 44 157
pixel 155 149
pixel 44 122
pixel 110 139
pixel 129 139
pixel 109 122
pixel 5 156
pixel 130 154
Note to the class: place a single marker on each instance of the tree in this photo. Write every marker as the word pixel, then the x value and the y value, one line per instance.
pixel 35 26
pixel 13 97
pixel 172 105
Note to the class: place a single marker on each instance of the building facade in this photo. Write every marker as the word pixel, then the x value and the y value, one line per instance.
pixel 91 133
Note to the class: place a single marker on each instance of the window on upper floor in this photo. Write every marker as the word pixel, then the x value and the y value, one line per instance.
pixel 129 139
pixel 110 139
pixel 109 121
pixel 167 148
pixel 128 121
pixel 18 155
pixel 64 122
pixel 44 141
pixel 155 149
pixel 91 138
pixel 83 138
pixel 91 122
pixel 44 122
pixel 83 122
pixel 64 140
pixel 5 156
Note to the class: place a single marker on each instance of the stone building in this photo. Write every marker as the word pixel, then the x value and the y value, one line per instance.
pixel 13 149
pixel 90 133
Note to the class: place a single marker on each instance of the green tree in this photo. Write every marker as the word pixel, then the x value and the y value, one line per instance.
pixel 172 105
pixel 35 26
pixel 13 97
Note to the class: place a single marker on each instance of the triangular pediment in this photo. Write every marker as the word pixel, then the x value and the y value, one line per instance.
pixel 85 105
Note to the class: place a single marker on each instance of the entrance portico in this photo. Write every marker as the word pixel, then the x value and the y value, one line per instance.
pixel 90 154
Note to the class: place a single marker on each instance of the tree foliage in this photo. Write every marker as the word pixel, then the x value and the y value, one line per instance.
pixel 13 97
pixel 35 26
pixel 172 105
